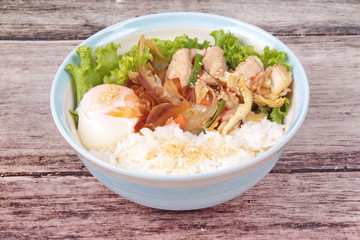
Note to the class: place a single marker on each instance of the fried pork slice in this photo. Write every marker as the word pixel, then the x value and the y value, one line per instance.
pixel 214 61
pixel 250 67
pixel 180 66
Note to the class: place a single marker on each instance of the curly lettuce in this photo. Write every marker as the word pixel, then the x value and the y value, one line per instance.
pixel 93 67
pixel 128 62
pixel 235 52
pixel 275 114
pixel 103 66
pixel 168 47
pixel 279 113
pixel 272 56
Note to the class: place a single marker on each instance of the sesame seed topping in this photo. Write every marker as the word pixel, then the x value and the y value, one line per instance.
pixel 111 92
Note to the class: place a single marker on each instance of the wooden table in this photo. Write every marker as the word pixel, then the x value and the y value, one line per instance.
pixel 312 193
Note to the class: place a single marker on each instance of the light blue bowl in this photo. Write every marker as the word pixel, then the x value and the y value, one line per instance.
pixel 179 192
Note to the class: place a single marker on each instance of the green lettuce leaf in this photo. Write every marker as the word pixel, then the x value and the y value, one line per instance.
pixel 263 109
pixel 234 52
pixel 272 56
pixel 93 67
pixel 168 47
pixel 107 58
pixel 275 114
pixel 279 113
pixel 103 66
pixel 128 62
pixel 75 115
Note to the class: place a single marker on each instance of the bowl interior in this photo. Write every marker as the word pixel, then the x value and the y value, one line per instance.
pixel 168 26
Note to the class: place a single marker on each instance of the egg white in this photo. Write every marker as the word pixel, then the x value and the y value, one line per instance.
pixel 96 127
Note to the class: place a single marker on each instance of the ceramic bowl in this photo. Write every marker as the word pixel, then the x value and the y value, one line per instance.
pixel 191 191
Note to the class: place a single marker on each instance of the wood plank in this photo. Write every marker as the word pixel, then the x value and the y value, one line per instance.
pixel 328 140
pixel 46 192
pixel 285 206
pixel 66 19
pixel 28 134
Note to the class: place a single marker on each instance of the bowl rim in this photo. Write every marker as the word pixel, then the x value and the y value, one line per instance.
pixel 297 122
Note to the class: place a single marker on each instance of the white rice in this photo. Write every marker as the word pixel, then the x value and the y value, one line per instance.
pixel 170 151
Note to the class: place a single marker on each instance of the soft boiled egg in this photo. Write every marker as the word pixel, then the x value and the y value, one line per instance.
pixel 107 113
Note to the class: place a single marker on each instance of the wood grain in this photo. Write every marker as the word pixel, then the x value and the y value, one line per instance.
pixel 285 206
pixel 68 19
pixel 312 192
